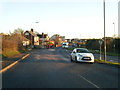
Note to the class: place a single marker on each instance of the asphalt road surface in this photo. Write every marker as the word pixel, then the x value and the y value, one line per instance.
pixel 52 68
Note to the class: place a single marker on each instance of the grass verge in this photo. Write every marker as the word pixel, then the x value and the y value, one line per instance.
pixel 70 49
pixel 106 62
pixel 9 53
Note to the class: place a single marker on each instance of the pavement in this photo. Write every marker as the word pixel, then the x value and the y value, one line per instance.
pixel 9 60
pixel 108 58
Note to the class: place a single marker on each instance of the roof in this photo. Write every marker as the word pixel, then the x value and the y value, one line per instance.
pixel 42 36
pixel 32 33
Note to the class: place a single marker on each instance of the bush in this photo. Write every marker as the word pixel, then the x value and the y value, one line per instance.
pixel 117 45
pixel 93 44
pixel 12 44
pixel 110 42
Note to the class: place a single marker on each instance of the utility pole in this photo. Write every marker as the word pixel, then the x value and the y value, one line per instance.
pixel 104 31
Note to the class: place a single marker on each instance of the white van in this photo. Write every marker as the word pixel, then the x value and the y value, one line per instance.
pixel 65 45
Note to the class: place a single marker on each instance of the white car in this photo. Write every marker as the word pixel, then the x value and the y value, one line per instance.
pixel 82 55
pixel 65 45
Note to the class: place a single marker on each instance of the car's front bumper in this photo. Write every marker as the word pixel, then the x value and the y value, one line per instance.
pixel 80 60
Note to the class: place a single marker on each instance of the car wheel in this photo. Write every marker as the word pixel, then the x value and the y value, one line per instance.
pixel 91 62
pixel 71 59
pixel 75 58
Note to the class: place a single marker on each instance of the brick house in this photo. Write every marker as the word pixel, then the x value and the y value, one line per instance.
pixel 34 39
pixel 43 38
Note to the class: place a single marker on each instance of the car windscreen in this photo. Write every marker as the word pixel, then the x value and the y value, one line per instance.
pixel 64 44
pixel 82 51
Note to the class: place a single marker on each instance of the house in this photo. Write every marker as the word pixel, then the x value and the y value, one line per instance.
pixel 58 39
pixel 43 38
pixel 34 39
pixel 25 41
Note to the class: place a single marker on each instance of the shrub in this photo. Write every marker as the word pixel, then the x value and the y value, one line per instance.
pixel 12 44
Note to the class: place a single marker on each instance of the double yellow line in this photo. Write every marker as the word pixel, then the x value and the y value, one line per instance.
pixel 11 65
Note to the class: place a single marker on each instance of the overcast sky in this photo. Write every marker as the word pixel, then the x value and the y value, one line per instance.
pixel 69 18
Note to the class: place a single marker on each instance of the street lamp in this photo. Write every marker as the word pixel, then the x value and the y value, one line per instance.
pixel 36 22
pixel 100 42
pixel 104 31
pixel 114 29
pixel 114 37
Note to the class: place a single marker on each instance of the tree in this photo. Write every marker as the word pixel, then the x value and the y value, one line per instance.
pixel 56 38
pixel 92 44
pixel 18 31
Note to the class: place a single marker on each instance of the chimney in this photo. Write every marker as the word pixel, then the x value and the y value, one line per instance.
pixel 42 34
pixel 31 29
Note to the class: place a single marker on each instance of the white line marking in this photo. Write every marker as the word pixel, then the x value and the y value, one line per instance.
pixel 64 58
pixel 89 81
pixel 51 49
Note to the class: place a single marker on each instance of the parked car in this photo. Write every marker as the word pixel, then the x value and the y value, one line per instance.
pixel 82 55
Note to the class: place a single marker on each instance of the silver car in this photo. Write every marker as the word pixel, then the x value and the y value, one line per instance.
pixel 82 55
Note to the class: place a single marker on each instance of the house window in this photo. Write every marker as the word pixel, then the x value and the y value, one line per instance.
pixel 26 33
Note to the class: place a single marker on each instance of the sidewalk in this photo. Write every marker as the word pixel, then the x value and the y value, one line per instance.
pixel 9 60
pixel 108 58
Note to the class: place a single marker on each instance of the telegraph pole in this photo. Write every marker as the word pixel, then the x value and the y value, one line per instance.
pixel 104 31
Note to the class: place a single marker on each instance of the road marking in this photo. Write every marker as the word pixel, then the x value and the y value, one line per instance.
pixel 89 81
pixel 51 49
pixel 25 56
pixel 11 65
pixel 64 58
pixel 6 68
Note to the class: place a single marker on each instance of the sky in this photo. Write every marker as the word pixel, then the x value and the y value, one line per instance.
pixel 69 18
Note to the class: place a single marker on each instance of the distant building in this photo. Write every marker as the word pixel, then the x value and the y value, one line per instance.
pixel 34 39
pixel 43 39
pixel 3 34
pixel 58 39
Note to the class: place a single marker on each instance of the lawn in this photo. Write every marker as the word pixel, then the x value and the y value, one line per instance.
pixel 9 53
pixel 107 62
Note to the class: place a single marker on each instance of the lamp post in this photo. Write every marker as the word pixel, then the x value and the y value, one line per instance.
pixel 100 42
pixel 114 29
pixel 36 22
pixel 104 31
pixel 114 37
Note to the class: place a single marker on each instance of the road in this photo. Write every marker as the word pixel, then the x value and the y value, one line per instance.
pixel 52 68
